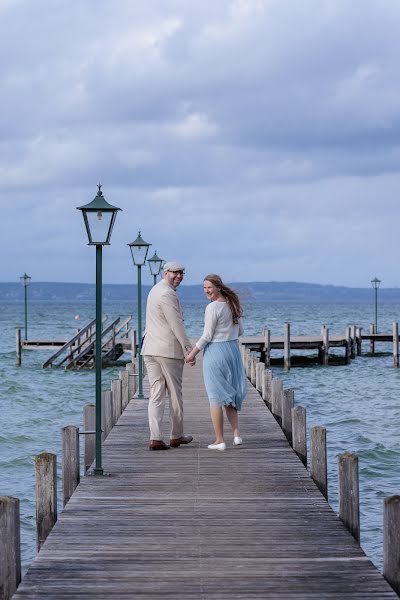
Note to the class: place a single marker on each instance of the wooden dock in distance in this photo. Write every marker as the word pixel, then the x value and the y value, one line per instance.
pixel 190 523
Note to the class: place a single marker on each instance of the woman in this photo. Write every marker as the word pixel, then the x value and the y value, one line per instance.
pixel 223 370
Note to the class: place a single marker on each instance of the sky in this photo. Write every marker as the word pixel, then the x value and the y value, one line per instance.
pixel 256 139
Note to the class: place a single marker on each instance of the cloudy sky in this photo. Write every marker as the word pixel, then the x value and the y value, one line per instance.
pixel 259 139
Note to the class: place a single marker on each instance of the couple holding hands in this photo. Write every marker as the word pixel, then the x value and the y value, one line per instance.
pixel 166 348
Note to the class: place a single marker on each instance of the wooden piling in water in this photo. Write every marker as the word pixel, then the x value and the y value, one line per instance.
pixel 325 346
pixel 267 347
pixel 260 368
pixel 391 541
pixel 116 388
pixel 124 376
pixel 396 345
pixel 276 399
pixel 287 405
pixel 18 347
pixel 89 424
pixel 286 347
pixel 318 459
pixel 353 340
pixel 299 433
pixel 349 497
pixel 106 413
pixel 70 461
pixel 359 340
pixel 348 346
pixel 10 546
pixel 267 387
pixel 372 342
pixel 46 495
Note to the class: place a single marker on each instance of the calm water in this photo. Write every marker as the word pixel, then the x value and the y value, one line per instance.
pixel 359 404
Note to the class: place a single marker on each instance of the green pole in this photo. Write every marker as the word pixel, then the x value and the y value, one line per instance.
pixel 155 279
pixel 98 470
pixel 140 392
pixel 26 312
pixel 376 310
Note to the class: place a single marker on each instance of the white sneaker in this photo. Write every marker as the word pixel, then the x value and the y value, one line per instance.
pixel 221 446
pixel 237 441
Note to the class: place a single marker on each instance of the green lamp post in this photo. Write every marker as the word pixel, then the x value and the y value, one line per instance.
pixel 375 284
pixel 155 264
pixel 25 280
pixel 139 249
pixel 99 217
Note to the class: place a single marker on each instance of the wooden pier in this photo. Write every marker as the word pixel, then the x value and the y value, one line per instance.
pixel 190 523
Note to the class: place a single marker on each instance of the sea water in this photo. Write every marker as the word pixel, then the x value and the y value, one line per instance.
pixel 359 404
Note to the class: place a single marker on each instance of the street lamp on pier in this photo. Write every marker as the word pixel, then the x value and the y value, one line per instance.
pixel 99 217
pixel 139 249
pixel 155 264
pixel 25 280
pixel 375 284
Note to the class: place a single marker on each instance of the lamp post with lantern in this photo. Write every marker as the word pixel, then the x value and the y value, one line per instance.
pixel 25 280
pixel 155 264
pixel 139 249
pixel 99 217
pixel 375 284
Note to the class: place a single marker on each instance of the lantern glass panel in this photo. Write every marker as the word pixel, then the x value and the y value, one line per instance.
pixel 99 225
pixel 139 254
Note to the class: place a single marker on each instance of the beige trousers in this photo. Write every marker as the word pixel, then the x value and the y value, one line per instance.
pixel 165 374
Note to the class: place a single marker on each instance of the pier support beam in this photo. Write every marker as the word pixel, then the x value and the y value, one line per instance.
pixel 276 400
pixel 18 347
pixel 318 459
pixel 396 345
pixel 267 347
pixel 286 347
pixel 349 497
pixel 10 546
pixel 325 345
pixel 70 461
pixel 299 433
pixel 287 405
pixel 372 342
pixel 46 495
pixel 348 346
pixel 89 424
pixel 260 368
pixel 391 541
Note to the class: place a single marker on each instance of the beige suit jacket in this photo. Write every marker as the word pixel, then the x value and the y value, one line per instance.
pixel 165 333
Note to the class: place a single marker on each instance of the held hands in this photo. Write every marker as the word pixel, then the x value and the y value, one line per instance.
pixel 190 358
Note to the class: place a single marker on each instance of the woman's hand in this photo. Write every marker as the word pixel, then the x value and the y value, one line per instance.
pixel 190 358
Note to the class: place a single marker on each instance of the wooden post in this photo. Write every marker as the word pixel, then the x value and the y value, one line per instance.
pixel 318 460
pixel 18 347
pixel 248 363
pixel 353 341
pixel 124 376
pixel 89 424
pixel 106 412
pixel 287 405
pixel 396 345
pixel 267 388
pixel 133 342
pixel 267 347
pixel 116 388
pixel 391 541
pixel 349 497
pixel 299 433
pixel 253 370
pixel 372 342
pixel 286 347
pixel 10 546
pixel 348 346
pixel 277 389
pixel 325 346
pixel 359 340
pixel 46 495
pixel 70 461
pixel 260 368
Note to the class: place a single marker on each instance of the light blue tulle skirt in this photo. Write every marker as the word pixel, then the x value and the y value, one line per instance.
pixel 224 375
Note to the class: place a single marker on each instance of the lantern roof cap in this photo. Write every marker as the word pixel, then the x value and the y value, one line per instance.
pixel 98 203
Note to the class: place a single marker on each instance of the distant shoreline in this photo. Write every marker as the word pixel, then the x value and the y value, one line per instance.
pixel 272 291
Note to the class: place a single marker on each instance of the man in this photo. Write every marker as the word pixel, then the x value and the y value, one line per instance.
pixel 164 348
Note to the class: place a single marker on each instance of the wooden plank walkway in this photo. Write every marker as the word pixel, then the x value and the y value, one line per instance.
pixel 195 524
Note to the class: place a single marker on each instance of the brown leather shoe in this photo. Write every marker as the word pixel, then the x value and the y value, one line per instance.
pixel 185 439
pixel 158 445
